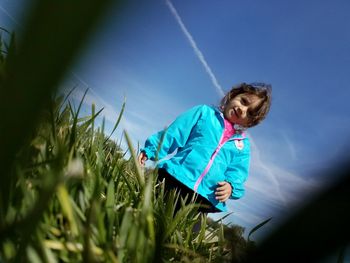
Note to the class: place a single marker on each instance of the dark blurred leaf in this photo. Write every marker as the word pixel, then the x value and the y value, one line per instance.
pixel 341 255
pixel 316 230
pixel 54 33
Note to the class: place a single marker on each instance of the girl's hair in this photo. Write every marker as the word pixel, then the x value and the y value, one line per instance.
pixel 261 90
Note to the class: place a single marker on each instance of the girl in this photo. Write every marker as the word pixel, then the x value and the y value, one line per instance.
pixel 213 152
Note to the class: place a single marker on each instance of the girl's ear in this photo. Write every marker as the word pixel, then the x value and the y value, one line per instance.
pixel 223 103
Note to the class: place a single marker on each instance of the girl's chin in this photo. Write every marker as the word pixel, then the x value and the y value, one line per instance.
pixel 232 120
pixel 231 117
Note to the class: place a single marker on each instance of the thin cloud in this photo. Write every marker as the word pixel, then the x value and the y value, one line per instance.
pixel 294 187
pixel 134 129
pixel 290 145
pixel 92 97
pixel 249 218
pixel 262 166
pixel 9 15
pixel 137 120
pixel 196 50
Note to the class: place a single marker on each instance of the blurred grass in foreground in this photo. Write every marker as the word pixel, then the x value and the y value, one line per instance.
pixel 74 197
pixel 77 199
pixel 67 194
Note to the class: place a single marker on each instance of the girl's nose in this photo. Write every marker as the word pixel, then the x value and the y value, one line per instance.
pixel 241 112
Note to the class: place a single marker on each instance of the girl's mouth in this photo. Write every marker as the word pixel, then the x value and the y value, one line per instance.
pixel 234 113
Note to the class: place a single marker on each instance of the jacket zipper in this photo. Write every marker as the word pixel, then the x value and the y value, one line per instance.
pixel 211 160
pixel 210 163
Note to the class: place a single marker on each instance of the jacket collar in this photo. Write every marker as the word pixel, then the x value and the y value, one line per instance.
pixel 237 135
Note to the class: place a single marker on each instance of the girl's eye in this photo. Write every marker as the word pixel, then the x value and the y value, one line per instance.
pixel 250 113
pixel 244 101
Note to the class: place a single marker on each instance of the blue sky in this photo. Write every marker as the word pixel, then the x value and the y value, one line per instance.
pixel 300 47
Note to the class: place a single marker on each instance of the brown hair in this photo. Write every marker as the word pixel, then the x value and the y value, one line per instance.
pixel 261 90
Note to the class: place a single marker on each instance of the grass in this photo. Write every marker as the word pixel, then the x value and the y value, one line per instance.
pixel 68 194
pixel 77 199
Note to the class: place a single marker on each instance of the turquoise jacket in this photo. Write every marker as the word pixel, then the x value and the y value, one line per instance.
pixel 200 162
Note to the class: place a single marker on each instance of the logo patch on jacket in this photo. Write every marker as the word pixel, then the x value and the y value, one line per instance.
pixel 239 144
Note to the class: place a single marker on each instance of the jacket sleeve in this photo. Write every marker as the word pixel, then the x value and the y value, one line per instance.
pixel 174 136
pixel 237 173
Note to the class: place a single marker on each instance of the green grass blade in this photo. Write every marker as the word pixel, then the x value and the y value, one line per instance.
pixel 179 218
pixel 110 201
pixel 139 173
pixel 222 218
pixel 257 227
pixel 67 209
pixel 89 120
pixel 75 121
pixel 118 120
pixel 59 108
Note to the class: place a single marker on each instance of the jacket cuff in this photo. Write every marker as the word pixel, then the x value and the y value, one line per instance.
pixel 148 153
pixel 231 196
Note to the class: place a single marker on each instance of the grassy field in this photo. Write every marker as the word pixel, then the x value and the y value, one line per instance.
pixel 68 193
pixel 78 199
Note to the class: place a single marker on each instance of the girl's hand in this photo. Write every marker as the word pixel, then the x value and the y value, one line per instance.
pixel 223 191
pixel 142 158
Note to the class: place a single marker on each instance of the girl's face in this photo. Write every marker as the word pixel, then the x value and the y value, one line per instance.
pixel 241 109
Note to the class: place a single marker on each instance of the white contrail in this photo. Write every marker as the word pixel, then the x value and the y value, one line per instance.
pixel 220 91
pixel 198 53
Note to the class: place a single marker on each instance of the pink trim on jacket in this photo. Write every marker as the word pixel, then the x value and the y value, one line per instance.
pixel 228 132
